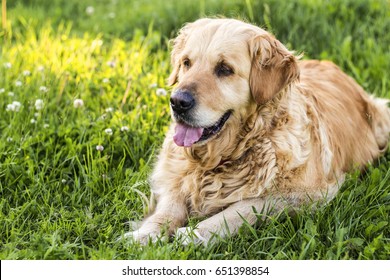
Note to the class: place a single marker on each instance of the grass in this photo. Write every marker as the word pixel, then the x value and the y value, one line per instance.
pixel 61 198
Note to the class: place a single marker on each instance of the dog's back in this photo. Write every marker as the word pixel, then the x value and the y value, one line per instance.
pixel 359 125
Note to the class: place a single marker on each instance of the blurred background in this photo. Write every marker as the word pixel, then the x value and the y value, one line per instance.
pixel 294 21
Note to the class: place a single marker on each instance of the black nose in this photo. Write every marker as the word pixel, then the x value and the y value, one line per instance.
pixel 182 101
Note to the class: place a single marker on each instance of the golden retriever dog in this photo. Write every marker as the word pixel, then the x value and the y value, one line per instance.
pixel 255 130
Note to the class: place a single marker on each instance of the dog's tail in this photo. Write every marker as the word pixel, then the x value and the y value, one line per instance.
pixel 380 121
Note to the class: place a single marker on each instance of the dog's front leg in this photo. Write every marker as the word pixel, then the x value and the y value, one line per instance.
pixel 229 220
pixel 170 213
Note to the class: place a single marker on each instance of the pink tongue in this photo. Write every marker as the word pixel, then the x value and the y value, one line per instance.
pixel 186 135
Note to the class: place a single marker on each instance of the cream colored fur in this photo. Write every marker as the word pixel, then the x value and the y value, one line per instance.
pixel 297 127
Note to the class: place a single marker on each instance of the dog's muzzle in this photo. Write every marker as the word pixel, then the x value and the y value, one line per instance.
pixel 187 132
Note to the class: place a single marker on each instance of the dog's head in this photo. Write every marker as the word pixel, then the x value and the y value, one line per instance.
pixel 222 66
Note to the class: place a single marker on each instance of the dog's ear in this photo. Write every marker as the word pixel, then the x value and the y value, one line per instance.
pixel 273 67
pixel 177 46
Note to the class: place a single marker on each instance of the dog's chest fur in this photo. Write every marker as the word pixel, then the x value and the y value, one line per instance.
pixel 209 190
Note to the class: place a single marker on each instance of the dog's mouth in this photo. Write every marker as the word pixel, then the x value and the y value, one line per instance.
pixel 186 135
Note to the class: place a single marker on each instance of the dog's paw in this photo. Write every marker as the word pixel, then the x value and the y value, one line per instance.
pixel 187 236
pixel 141 237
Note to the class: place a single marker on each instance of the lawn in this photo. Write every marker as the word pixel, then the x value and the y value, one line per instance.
pixel 84 108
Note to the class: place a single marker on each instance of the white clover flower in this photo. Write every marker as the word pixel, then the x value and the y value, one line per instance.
pixel 106 80
pixel 99 148
pixel 2 90
pixel 18 83
pixel 10 107
pixel 161 92
pixel 124 128
pixel 108 131
pixel 46 125
pixel 26 73
pixel 109 110
pixel 14 106
pixel 11 93
pixel 111 63
pixel 90 10
pixel 33 121
pixel 17 105
pixel 63 181
pixel 39 104
pixel 43 89
pixel 40 68
pixel 7 65
pixel 77 103
pixel 36 115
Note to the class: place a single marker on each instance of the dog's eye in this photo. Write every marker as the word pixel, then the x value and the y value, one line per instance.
pixel 186 63
pixel 223 70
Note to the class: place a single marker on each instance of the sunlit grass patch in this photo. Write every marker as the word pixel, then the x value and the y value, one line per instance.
pixel 116 83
